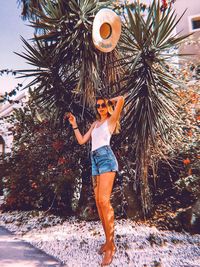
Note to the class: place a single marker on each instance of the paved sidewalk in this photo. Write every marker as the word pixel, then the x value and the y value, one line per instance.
pixel 17 253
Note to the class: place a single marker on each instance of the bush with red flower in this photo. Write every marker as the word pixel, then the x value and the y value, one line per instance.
pixel 44 169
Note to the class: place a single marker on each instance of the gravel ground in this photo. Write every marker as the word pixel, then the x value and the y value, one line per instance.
pixel 75 242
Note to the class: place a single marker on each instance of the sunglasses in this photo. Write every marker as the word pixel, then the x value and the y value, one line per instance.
pixel 103 105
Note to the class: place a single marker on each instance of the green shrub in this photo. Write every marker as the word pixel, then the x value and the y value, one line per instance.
pixel 44 169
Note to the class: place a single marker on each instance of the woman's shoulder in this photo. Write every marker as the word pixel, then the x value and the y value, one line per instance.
pixel 94 123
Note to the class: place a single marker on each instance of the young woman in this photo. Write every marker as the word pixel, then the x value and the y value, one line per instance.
pixel 104 164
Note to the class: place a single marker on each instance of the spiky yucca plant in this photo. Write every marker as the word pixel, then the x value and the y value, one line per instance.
pixel 68 68
pixel 150 108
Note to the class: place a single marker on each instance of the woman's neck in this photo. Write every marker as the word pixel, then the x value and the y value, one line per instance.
pixel 103 118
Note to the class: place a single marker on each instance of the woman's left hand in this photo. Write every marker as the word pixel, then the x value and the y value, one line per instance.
pixel 115 99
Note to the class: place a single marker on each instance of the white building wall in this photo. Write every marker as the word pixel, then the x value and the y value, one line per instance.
pixel 192 46
pixel 6 110
pixel 193 8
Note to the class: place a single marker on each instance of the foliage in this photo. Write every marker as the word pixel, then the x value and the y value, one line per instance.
pixel 7 96
pixel 42 172
pixel 190 145
pixel 120 6
pixel 190 183
pixel 177 183
pixel 150 104
pixel 29 7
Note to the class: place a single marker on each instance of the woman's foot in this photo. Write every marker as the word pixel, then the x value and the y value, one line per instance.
pixel 102 249
pixel 108 256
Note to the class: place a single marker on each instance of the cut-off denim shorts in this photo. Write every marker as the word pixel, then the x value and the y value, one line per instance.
pixel 103 160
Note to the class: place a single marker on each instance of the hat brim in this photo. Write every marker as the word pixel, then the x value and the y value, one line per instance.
pixel 108 16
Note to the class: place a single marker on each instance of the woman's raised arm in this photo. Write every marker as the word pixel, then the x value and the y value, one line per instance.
pixel 82 139
pixel 119 100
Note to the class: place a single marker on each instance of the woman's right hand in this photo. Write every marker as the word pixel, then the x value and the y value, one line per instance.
pixel 71 118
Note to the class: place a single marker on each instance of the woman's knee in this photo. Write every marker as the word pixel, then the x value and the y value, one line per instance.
pixel 103 202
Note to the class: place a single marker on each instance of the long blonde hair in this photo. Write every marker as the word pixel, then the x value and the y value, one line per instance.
pixel 110 111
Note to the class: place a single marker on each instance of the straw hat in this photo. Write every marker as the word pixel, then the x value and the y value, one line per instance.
pixel 106 30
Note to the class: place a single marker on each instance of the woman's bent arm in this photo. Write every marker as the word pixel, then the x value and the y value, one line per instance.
pixel 118 108
pixel 82 139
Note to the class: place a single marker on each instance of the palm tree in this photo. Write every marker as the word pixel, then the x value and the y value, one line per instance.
pixel 69 72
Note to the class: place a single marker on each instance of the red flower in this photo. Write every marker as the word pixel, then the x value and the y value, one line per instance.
pixel 182 94
pixel 198 118
pixel 33 185
pixel 57 145
pixel 164 4
pixel 189 133
pixel 66 171
pixel 186 161
pixel 50 167
pixel 61 161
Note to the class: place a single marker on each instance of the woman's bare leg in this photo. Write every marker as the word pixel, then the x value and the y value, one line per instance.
pixel 95 182
pixel 105 186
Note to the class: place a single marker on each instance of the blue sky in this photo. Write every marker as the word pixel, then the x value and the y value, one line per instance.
pixel 11 28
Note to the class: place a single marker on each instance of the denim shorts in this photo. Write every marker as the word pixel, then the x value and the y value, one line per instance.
pixel 103 160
